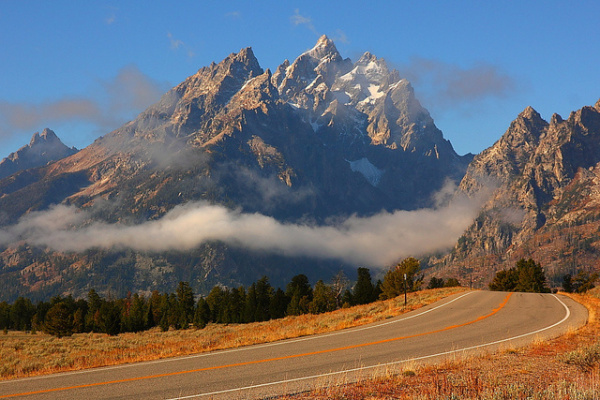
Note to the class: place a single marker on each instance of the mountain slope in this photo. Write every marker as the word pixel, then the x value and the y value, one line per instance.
pixel 545 203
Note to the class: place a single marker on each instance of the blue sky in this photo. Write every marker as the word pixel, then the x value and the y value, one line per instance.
pixel 83 68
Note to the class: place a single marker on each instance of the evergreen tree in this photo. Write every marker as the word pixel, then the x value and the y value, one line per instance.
pixel 137 313
pixel 59 320
pixel 363 289
pixel 505 281
pixel 215 302
pixel 225 308
pixel 156 304
pixel 250 304
pixel 531 277
pixel 21 313
pixel 264 292
pixel 173 314
pixel 279 304
pixel 394 282
pixel 435 283
pixel 109 318
pixel 185 304
pixel 79 321
pixel 347 299
pixel 567 284
pixel 201 314
pixel 149 317
pixel 236 304
pixel 580 283
pixel 323 299
pixel 300 294
pixel 452 282
pixel 92 316
pixel 41 309
pixel 4 316
pixel 526 276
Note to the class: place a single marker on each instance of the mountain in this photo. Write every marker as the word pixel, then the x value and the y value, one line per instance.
pixel 41 150
pixel 321 138
pixel 545 204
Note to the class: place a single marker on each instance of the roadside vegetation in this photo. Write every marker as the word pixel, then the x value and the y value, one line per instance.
pixel 52 343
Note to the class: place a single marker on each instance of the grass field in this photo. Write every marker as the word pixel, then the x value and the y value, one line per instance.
pixel 24 355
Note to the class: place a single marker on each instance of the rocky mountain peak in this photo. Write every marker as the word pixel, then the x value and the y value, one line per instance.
pixel 257 92
pixel 42 149
pixel 556 119
pixel 527 127
pixel 325 48
pixel 529 113
pixel 47 136
pixel 193 103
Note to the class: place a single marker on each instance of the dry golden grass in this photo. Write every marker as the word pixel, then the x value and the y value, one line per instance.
pixel 27 355
pixel 564 368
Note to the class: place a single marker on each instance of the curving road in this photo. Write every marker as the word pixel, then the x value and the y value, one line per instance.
pixel 462 324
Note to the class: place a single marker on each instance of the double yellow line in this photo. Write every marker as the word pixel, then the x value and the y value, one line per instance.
pixel 355 346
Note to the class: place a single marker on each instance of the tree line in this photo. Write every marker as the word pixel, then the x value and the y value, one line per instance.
pixel 529 276
pixel 182 309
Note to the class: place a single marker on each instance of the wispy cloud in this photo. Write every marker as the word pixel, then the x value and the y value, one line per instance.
pixel 234 15
pixel 177 44
pixel 379 240
pixel 299 19
pixel 112 16
pixel 450 85
pixel 111 104
pixel 340 37
pixel 132 90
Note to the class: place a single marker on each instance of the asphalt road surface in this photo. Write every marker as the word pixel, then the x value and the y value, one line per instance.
pixel 466 323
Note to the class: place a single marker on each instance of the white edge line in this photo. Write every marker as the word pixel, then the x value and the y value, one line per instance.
pixel 567 315
pixel 245 348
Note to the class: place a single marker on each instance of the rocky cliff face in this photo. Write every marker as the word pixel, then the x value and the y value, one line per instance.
pixel 544 204
pixel 321 137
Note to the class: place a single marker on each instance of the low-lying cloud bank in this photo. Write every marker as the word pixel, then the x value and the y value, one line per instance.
pixel 376 241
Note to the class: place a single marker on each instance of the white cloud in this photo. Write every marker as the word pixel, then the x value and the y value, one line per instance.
pixel 376 241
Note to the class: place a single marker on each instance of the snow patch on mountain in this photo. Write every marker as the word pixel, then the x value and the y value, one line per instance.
pixel 371 173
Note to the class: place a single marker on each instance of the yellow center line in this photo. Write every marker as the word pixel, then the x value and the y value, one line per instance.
pixel 354 346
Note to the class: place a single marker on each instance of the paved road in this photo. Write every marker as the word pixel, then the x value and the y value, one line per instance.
pixel 462 324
